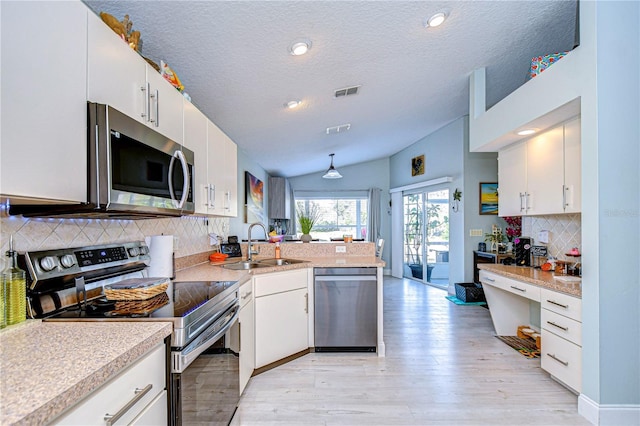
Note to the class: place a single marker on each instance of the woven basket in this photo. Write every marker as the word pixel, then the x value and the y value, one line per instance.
pixel 136 289
pixel 140 307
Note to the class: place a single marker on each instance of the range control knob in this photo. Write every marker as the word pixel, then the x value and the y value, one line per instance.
pixel 144 250
pixel 134 251
pixel 48 263
pixel 68 260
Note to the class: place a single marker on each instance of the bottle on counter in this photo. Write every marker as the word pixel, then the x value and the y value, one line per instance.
pixel 278 250
pixel 3 304
pixel 14 283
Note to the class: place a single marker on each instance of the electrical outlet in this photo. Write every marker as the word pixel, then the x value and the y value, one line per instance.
pixel 475 232
pixel 341 249
pixel 176 240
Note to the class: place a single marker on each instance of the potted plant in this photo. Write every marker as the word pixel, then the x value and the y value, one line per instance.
pixel 307 220
pixel 413 237
pixel 495 238
pixel 414 234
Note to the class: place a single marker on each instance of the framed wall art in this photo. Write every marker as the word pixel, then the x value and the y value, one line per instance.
pixel 253 199
pixel 417 165
pixel 488 198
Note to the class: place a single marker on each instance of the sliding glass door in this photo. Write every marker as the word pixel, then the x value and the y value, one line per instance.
pixel 426 236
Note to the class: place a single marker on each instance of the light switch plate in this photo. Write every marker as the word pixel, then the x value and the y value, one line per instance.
pixel 341 249
pixel 475 232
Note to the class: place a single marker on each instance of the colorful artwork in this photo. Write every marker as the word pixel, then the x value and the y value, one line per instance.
pixel 254 199
pixel 417 165
pixel 488 198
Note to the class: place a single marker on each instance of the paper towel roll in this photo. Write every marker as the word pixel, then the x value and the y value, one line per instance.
pixel 161 253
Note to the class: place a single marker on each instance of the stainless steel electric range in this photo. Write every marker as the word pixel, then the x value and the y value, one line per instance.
pixel 68 284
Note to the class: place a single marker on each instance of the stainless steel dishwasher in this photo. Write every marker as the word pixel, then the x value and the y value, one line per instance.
pixel 345 309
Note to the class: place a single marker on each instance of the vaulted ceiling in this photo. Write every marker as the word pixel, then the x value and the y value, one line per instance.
pixel 234 61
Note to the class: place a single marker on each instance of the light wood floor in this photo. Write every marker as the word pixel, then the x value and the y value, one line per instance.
pixel 443 366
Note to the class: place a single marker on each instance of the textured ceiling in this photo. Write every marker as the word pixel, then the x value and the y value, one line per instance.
pixel 233 59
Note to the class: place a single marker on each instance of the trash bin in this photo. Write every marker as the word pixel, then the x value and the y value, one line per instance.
pixel 470 292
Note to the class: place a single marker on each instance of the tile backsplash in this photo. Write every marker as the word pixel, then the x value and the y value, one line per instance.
pixel 31 234
pixel 565 232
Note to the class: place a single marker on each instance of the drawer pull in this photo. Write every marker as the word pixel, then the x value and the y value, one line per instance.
pixel 490 279
pixel 565 363
pixel 247 294
pixel 558 304
pixel 559 326
pixel 110 419
pixel 524 290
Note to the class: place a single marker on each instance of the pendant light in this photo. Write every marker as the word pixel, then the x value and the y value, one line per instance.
pixel 332 173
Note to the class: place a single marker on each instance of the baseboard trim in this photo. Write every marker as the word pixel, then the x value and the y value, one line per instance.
pixel 608 414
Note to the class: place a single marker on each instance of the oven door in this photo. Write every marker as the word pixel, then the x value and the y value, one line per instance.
pixel 205 384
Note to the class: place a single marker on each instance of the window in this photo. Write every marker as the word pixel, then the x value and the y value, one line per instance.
pixel 336 216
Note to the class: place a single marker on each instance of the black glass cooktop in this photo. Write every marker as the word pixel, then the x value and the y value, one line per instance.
pixel 180 299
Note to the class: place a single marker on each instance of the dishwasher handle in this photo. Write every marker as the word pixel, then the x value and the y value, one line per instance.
pixel 360 278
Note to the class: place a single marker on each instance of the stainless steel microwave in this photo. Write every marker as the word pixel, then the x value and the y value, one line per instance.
pixel 136 168
pixel 133 172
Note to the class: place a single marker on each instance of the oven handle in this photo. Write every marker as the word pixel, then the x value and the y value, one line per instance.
pixel 182 359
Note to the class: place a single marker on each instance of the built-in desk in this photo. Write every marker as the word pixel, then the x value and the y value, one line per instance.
pixel 547 303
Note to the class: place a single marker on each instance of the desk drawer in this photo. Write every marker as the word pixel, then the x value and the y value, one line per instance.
pixel 562 304
pixel 562 359
pixel 513 286
pixel 562 326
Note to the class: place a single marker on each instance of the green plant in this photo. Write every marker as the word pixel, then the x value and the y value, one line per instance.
pixel 413 229
pixel 308 219
pixel 497 237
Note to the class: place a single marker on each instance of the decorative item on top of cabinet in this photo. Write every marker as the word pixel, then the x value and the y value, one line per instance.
pixel 542 175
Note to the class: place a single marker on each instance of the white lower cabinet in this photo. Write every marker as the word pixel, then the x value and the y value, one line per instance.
pixel 562 359
pixel 281 314
pixel 561 321
pixel 247 334
pixel 136 396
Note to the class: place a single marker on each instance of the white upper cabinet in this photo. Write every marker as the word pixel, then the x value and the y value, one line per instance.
pixel 545 173
pixel 195 138
pixel 512 171
pixel 216 164
pixel 223 172
pixel 120 77
pixel 44 110
pixel 541 175
pixel 572 167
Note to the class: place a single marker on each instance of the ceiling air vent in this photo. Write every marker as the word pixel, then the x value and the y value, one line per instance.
pixel 338 129
pixel 347 91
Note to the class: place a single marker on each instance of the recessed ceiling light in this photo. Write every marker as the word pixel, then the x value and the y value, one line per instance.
pixel 436 20
pixel 527 132
pixel 292 104
pixel 300 47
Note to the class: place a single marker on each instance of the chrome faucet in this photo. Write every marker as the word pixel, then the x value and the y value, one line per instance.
pixel 250 252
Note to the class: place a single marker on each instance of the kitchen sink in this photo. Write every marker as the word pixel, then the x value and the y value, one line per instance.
pixel 244 265
pixel 280 262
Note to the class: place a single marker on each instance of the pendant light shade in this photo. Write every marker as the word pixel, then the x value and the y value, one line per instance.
pixel 332 173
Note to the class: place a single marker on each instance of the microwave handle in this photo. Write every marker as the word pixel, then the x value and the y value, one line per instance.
pixel 185 171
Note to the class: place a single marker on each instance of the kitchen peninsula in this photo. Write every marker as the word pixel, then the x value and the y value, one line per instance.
pixel 314 255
